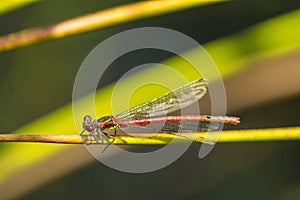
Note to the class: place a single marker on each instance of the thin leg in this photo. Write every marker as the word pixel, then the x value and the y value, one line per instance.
pixel 85 141
pixel 108 142
pixel 97 134
pixel 108 135
pixel 81 134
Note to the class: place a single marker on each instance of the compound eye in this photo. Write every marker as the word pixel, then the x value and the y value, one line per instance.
pixel 89 128
pixel 87 118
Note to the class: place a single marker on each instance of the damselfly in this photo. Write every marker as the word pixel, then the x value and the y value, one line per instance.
pixel 152 115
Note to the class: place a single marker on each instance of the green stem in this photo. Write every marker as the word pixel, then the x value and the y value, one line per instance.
pixel 96 20
pixel 250 135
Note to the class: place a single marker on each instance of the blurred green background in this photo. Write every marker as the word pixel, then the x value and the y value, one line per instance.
pixel 261 75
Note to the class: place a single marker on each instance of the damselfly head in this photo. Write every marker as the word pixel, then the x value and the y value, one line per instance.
pixel 87 119
pixel 87 124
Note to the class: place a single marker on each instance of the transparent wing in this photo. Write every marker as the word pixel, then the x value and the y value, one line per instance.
pixel 178 128
pixel 172 127
pixel 167 103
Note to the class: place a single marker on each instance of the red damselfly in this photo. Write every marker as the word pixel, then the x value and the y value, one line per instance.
pixel 152 115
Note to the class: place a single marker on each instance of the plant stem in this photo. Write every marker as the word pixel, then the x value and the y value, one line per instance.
pixel 250 135
pixel 96 20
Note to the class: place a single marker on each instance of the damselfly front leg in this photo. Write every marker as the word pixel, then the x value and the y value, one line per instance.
pixel 95 131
